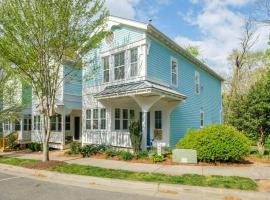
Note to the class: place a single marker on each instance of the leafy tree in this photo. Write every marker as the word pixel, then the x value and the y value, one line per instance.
pixel 38 37
pixel 193 50
pixel 135 135
pixel 251 112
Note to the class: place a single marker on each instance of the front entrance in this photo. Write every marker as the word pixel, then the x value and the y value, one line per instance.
pixel 76 128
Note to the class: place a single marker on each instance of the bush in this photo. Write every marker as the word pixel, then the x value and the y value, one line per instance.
pixel 75 148
pixel 88 150
pixel 125 155
pixel 142 155
pixel 216 143
pixel 110 152
pixel 158 158
pixel 101 148
pixel 135 135
pixel 11 140
pixel 34 146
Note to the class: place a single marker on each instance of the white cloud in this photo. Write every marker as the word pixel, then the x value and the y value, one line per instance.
pixel 122 8
pixel 221 29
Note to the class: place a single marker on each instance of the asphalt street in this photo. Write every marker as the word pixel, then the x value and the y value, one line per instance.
pixel 19 188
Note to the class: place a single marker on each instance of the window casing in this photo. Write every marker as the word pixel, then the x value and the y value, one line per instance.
pixel 134 62
pixel 95 118
pixel 102 118
pixel 67 125
pixel 106 69
pixel 158 120
pixel 125 119
pixel 174 72
pixel 201 119
pixel 88 119
pixel 197 83
pixel 117 119
pixel 119 66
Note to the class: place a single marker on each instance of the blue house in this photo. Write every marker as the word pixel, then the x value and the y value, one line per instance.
pixel 137 71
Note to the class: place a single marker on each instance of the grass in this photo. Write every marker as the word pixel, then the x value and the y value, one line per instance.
pixel 231 182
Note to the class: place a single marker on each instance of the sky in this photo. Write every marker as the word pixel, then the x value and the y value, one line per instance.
pixel 214 26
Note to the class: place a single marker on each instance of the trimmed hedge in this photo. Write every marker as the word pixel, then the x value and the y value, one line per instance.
pixel 216 143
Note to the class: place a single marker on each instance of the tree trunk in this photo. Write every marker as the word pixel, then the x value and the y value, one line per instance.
pixel 45 151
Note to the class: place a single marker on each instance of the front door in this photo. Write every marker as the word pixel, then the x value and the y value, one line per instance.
pixel 76 128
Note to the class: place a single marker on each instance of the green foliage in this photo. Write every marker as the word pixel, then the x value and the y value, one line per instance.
pixel 34 146
pixel 193 50
pixel 12 140
pixel 88 150
pixel 250 113
pixel 111 152
pixel 142 155
pixel 75 148
pixel 125 155
pixel 158 158
pixel 216 143
pixel 135 135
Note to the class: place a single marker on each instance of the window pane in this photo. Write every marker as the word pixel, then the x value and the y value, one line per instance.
pixel 131 114
pixel 106 76
pixel 117 113
pixel 103 124
pixel 95 119
pixel 103 118
pixel 158 120
pixel 119 64
pixel 29 124
pixel 53 123
pixel 134 55
pixel 88 124
pixel 117 124
pixel 88 114
pixel 17 125
pixel 174 79
pixel 105 62
pixel 25 124
pixel 59 123
pixel 67 127
pixel 125 113
pixel 102 113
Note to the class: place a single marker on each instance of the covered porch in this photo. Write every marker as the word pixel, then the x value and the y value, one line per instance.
pixel 150 103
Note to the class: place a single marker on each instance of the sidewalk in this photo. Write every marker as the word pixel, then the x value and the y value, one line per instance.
pixel 167 191
pixel 253 172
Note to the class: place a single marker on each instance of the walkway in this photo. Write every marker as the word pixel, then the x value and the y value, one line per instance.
pixel 253 172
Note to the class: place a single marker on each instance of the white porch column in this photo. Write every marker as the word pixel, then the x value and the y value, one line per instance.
pixel 144 130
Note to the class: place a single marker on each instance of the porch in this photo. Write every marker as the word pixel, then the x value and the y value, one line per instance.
pixel 147 102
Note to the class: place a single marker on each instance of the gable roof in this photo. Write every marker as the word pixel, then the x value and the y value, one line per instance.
pixel 155 33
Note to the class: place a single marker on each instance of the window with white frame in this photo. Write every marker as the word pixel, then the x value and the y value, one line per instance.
pixel 158 120
pixel 119 66
pixel 37 122
pixel 117 119
pixel 67 125
pixel 95 118
pixel 88 119
pixel 106 69
pixel 201 119
pixel 125 119
pixel 134 62
pixel 197 83
pixel 102 118
pixel 174 71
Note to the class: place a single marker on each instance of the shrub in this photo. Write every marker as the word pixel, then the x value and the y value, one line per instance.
pixel 216 143
pixel 88 150
pixel 125 155
pixel 75 148
pixel 158 158
pixel 135 135
pixel 152 153
pixel 142 155
pixel 68 152
pixel 110 152
pixel 101 148
pixel 34 146
pixel 11 140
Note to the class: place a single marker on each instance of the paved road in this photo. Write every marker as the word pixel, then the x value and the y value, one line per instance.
pixel 19 188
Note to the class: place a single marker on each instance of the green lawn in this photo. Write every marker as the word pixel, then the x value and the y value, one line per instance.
pixel 232 182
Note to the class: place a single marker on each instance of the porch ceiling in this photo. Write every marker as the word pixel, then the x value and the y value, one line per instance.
pixel 142 88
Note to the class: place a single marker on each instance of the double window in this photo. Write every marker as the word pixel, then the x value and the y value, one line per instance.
pixel 119 66
pixel 134 62
pixel 197 83
pixel 174 71
pixel 96 119
pixel 158 120
pixel 106 69
pixel 121 118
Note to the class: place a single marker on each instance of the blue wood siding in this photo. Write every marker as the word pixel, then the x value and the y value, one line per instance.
pixel 123 35
pixel 187 114
pixel 72 87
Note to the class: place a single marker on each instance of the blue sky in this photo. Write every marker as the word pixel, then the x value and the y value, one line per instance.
pixel 215 26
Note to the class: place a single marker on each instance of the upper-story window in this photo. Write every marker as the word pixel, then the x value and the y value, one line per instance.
pixel 106 69
pixel 174 71
pixel 134 62
pixel 119 66
pixel 197 83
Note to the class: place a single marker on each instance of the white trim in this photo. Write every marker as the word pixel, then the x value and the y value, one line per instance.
pixel 197 82
pixel 128 22
pixel 173 59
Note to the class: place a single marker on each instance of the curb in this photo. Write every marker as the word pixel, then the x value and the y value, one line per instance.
pixel 151 189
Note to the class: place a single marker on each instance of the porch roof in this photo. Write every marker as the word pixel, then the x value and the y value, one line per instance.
pixel 137 88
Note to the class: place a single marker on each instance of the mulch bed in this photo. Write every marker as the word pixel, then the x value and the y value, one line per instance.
pixel 44 165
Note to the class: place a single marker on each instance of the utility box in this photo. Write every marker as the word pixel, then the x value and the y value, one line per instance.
pixel 184 156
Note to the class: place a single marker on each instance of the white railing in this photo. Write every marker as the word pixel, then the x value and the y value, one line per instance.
pixel 56 137
pixel 114 138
